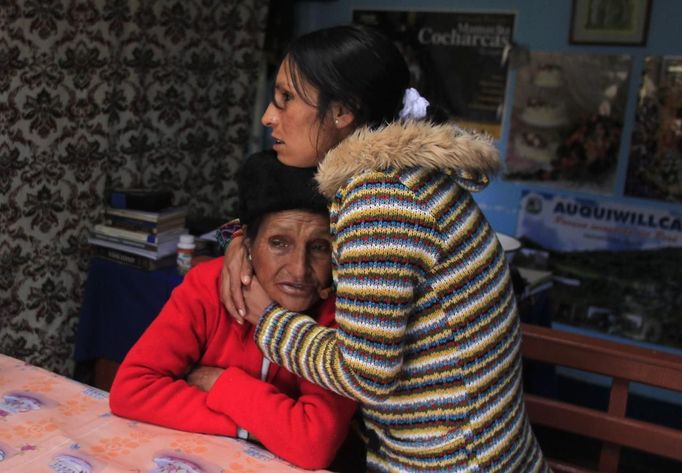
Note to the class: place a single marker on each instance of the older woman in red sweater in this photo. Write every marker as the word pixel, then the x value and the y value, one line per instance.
pixel 198 370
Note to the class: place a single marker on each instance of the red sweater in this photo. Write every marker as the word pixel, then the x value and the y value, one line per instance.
pixel 295 419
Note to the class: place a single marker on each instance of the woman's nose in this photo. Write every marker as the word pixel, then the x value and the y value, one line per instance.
pixel 269 116
pixel 299 263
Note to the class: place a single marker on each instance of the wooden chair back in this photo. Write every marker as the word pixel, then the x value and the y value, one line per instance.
pixel 624 364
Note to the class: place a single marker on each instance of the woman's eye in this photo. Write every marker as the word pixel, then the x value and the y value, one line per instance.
pixel 278 242
pixel 281 97
pixel 322 246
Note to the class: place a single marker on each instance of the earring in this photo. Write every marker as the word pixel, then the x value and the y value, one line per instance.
pixel 336 121
pixel 248 256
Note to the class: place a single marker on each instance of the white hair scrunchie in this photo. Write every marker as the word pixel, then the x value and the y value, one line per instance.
pixel 414 105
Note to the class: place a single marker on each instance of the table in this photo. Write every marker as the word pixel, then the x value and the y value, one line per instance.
pixel 49 423
pixel 119 303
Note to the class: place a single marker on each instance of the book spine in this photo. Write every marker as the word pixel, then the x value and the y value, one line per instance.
pixel 156 252
pixel 166 236
pixel 138 215
pixel 154 217
pixel 125 258
pixel 123 233
pixel 126 248
pixel 130 224
pixel 135 225
pixel 125 241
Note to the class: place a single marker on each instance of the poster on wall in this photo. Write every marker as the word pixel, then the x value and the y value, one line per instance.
pixel 567 119
pixel 615 267
pixel 562 223
pixel 455 59
pixel 655 163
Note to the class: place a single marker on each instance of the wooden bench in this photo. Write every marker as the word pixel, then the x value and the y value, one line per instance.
pixel 624 364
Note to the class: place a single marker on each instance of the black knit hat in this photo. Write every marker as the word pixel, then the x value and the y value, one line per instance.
pixel 266 185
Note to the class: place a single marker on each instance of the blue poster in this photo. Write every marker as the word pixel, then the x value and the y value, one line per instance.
pixel 572 224
pixel 615 267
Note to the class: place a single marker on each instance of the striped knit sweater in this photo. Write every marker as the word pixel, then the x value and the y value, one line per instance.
pixel 428 331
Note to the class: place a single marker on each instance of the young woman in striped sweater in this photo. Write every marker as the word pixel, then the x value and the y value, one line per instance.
pixel 428 331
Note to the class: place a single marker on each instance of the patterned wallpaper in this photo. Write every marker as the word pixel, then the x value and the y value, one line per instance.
pixel 100 93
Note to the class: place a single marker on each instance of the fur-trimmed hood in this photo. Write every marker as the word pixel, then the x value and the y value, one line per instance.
pixel 470 157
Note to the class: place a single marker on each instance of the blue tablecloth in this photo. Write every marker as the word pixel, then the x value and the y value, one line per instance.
pixel 119 303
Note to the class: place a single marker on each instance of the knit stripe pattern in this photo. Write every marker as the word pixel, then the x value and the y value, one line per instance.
pixel 428 331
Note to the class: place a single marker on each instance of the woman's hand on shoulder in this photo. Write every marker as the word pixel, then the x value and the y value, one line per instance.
pixel 236 273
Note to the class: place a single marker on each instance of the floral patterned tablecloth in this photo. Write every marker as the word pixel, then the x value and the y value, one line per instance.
pixel 49 423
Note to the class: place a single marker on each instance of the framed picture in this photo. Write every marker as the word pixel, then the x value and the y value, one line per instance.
pixel 610 22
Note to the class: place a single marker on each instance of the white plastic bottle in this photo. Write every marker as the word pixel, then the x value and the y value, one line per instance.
pixel 185 252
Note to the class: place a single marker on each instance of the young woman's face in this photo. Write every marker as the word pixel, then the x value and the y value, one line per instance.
pixel 301 140
pixel 291 256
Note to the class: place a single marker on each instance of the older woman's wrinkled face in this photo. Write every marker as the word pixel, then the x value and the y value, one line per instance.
pixel 291 256
pixel 300 138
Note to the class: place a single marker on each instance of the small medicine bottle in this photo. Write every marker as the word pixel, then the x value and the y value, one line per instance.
pixel 185 251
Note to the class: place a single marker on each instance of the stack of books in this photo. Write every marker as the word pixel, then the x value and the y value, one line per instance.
pixel 142 238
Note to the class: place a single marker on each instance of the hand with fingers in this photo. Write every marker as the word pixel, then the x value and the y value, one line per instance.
pixel 235 276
